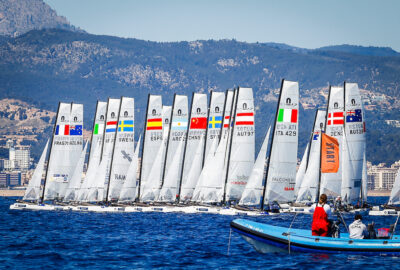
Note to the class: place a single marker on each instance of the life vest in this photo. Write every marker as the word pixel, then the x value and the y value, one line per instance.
pixel 320 219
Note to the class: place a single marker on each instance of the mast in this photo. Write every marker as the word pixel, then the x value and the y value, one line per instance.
pixel 169 134
pixel 270 151
pixel 48 160
pixel 205 138
pixel 184 152
pixel 112 154
pixel 91 136
pixel 144 139
pixel 233 118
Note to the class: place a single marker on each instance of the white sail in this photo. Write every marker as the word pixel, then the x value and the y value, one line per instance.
pixel 347 171
pixel 74 185
pixel 129 189
pixel 97 190
pixel 252 193
pixel 354 129
pixel 153 140
pixel 193 157
pixel 395 193
pixel 215 122
pixel 301 171
pixel 175 148
pixel 65 151
pixel 124 148
pixel 150 189
pixel 308 189
pixel 210 186
pixel 242 148
pixel 95 150
pixel 32 192
pixel 331 182
pixel 282 162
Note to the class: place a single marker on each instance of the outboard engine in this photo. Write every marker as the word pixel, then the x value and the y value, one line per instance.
pixel 371 231
pixel 334 229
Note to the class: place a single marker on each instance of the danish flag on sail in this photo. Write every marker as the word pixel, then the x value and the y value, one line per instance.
pixel 335 118
pixel 245 119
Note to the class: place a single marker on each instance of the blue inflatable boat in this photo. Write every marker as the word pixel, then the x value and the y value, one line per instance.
pixel 267 238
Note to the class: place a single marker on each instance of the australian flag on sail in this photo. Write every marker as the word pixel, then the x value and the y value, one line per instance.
pixel 75 130
pixel 354 116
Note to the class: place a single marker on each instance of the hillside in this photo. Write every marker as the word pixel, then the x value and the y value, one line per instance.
pixel 46 66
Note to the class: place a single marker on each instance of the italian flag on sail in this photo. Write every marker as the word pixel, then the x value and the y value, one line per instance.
pixel 287 115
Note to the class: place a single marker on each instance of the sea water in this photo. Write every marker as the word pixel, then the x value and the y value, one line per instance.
pixel 70 240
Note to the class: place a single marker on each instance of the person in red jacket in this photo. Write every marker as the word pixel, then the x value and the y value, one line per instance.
pixel 320 223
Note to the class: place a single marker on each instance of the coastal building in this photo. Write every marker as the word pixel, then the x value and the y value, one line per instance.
pixel 19 159
pixel 381 177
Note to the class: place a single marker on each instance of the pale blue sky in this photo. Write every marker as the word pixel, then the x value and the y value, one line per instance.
pixel 302 23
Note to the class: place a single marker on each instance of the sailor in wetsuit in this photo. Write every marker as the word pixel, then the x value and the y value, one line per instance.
pixel 320 223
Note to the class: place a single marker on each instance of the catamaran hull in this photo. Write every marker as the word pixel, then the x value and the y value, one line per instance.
pixel 33 207
pixel 386 212
pixel 267 238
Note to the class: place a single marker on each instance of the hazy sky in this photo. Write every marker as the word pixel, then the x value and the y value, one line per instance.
pixel 302 23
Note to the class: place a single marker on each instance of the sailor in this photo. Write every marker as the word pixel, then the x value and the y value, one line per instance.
pixel 357 229
pixel 320 223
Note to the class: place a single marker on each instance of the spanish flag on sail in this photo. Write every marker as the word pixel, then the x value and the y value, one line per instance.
pixel 154 124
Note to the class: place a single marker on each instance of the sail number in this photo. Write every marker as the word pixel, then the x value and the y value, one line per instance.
pixel 286 133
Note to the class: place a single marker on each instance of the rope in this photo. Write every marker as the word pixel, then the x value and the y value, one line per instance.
pixel 288 231
pixel 229 241
pixel 395 225
pixel 344 223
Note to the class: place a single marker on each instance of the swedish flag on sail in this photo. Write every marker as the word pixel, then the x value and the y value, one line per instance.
pixel 125 126
pixel 215 122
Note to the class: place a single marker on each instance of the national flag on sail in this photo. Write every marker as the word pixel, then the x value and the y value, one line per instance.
pixel 198 123
pixel 62 130
pixel 214 121
pixel 226 121
pixel 98 129
pixel 287 115
pixel 154 124
pixel 125 126
pixel 245 119
pixel 335 118
pixel 111 126
pixel 354 116
pixel 75 130
pixel 179 124
pixel 316 135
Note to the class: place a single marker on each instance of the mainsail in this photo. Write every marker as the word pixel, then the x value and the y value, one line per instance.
pixel 74 185
pixel 124 148
pixel 175 149
pixel 308 188
pixel 242 148
pixel 215 114
pixel 32 192
pixel 331 182
pixel 129 188
pixel 65 150
pixel 355 133
pixel 252 193
pixel 395 193
pixel 151 188
pixel 193 157
pixel 152 143
pixel 97 190
pixel 95 150
pixel 302 169
pixel 281 170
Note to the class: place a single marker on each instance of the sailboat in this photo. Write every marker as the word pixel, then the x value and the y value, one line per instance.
pixel 194 148
pixel 282 162
pixel 175 149
pixel 302 170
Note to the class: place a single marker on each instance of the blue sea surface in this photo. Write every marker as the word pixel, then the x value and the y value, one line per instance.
pixel 70 240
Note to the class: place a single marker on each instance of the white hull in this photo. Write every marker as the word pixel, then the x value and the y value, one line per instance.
pixel 34 207
pixel 386 212
pixel 298 210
